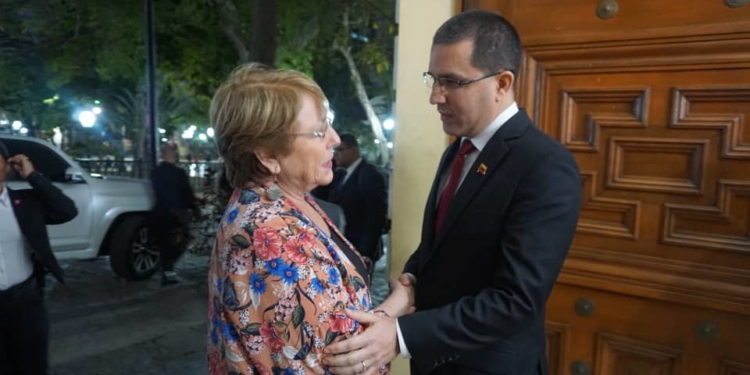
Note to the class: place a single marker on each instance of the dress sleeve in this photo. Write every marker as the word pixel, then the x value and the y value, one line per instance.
pixel 278 298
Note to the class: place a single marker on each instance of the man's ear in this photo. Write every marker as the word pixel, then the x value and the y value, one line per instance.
pixel 269 161
pixel 505 82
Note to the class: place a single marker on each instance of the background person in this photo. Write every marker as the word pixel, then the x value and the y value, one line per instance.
pixel 26 257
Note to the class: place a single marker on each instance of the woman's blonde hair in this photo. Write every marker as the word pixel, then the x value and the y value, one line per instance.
pixel 254 110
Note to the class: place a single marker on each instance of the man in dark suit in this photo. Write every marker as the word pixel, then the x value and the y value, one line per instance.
pixel 359 188
pixel 169 221
pixel 497 225
pixel 26 256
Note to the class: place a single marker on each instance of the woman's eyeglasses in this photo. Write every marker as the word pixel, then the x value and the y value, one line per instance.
pixel 318 134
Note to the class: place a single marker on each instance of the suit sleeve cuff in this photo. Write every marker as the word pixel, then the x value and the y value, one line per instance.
pixel 404 351
pixel 33 176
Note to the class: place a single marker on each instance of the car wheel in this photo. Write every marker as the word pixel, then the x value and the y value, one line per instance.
pixel 132 253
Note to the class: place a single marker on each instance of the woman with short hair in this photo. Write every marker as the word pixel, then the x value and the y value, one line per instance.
pixel 281 276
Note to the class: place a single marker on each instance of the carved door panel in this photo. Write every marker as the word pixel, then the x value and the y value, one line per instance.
pixel 664 158
pixel 657 115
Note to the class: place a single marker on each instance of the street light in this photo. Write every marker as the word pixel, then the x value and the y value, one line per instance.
pixel 388 124
pixel 390 144
pixel 17 125
pixel 210 132
pixel 87 119
pixel 97 110
pixel 24 130
pixel 202 137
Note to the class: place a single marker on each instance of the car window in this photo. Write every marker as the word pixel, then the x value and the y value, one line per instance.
pixel 45 160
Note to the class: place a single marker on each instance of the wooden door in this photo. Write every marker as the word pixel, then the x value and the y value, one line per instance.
pixel 653 99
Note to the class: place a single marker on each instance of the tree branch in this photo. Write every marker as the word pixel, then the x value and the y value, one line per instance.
pixel 359 87
pixel 230 23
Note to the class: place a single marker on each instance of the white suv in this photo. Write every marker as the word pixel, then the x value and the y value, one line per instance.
pixel 112 211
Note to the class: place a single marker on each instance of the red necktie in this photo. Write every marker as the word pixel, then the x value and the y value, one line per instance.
pixel 453 180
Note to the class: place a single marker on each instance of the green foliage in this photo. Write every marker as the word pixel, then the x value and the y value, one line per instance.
pixel 367 29
pixel 81 50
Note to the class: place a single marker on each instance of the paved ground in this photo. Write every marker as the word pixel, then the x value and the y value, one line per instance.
pixel 102 325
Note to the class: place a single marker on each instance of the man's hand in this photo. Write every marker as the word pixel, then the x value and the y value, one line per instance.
pixel 400 301
pixel 406 280
pixel 367 352
pixel 22 165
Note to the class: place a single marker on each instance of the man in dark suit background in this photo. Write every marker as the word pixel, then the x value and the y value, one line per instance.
pixel 360 190
pixel 497 224
pixel 169 221
pixel 26 257
pixel 334 212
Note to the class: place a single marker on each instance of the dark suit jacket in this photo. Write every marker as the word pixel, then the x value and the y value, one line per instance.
pixel 483 280
pixel 172 189
pixel 364 199
pixel 334 212
pixel 35 208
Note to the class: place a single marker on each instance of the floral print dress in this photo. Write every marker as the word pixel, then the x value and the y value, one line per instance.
pixel 278 289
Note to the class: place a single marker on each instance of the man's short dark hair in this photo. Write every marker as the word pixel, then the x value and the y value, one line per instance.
pixel 497 46
pixel 349 140
pixel 4 152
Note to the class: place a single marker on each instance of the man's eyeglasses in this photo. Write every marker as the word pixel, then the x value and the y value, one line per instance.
pixel 452 83
pixel 318 134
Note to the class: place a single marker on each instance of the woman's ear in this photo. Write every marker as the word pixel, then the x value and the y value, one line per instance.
pixel 269 161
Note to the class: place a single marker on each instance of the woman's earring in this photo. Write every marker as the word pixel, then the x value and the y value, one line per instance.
pixel 274 192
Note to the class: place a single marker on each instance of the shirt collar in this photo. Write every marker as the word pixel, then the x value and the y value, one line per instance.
pixel 5 197
pixel 484 137
pixel 354 166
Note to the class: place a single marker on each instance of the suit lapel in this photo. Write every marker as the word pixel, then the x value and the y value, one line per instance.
pixel 489 159
pixel 19 209
pixel 33 231
pixel 23 217
pixel 488 162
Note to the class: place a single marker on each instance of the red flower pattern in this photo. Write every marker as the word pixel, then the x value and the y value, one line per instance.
pixel 295 250
pixel 267 243
pixel 351 291
pixel 215 364
pixel 271 336
pixel 307 237
pixel 340 322
pixel 260 369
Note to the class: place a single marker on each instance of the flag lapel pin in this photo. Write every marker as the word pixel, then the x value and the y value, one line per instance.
pixel 482 169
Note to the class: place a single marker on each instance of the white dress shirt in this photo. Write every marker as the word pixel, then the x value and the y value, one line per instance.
pixel 15 256
pixel 350 169
pixel 479 141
